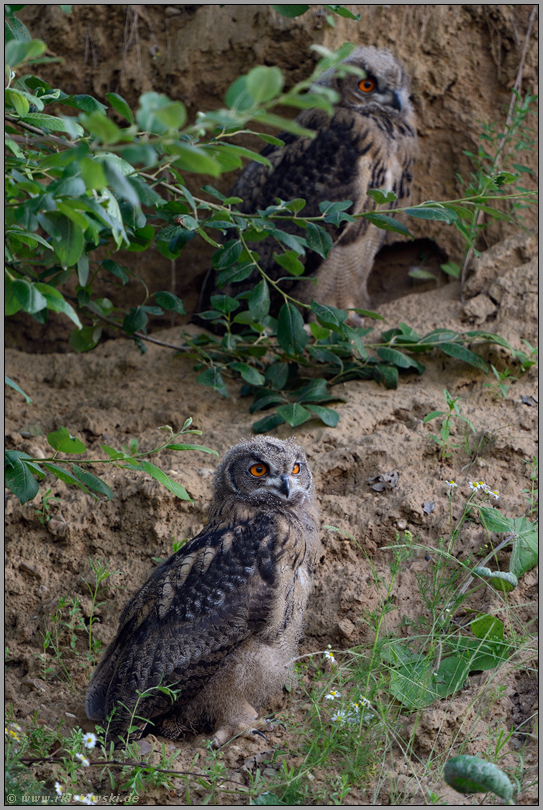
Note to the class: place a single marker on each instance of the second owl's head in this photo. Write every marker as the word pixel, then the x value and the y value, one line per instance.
pixel 264 471
pixel 384 87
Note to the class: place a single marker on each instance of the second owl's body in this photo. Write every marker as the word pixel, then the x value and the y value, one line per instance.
pixel 219 622
pixel 369 143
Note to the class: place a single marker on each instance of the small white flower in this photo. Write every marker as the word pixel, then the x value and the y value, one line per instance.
pixel 364 701
pixel 451 484
pixel 493 494
pixel 473 485
pixel 89 740
pixel 332 695
pixel 84 761
pixel 339 717
pixel 91 798
pixel 330 657
pixel 58 788
pixel 79 798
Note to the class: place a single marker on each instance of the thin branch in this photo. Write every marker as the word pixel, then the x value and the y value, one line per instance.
pixel 39 132
pixel 118 764
pixel 516 89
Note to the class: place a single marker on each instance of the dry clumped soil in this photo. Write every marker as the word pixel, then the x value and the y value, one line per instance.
pixel 113 393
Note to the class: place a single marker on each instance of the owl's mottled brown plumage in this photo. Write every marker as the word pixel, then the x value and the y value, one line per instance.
pixel 220 620
pixel 369 142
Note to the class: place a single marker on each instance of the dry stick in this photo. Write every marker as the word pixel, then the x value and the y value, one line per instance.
pixel 516 87
pixel 117 763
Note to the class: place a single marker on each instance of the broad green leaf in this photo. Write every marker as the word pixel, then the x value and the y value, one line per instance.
pixel 381 197
pixel 213 378
pixel 224 303
pixel 318 239
pixel 81 340
pixel 16 51
pixel 28 296
pixel 18 101
pixel 65 475
pixel 228 255
pixel 14 385
pixel 173 115
pixel 116 270
pixel 463 353
pixel 194 159
pixel 387 223
pixel 92 481
pixel 290 10
pixel 291 334
pixel 525 553
pixel 170 302
pixel 399 359
pixel 268 423
pixel 63 442
pixel 102 127
pixel 500 580
pixel 487 627
pixel 493 520
pixel 329 316
pixel 166 481
pixel 57 303
pixel 277 375
pixel 295 414
pixel 290 262
pixel 326 415
pixel 387 375
pixel 67 238
pixel 192 447
pixel 121 106
pixel 259 301
pixel 18 477
pixel 469 775
pixel 249 374
pixel 264 83
pixel 426 212
pixel 135 321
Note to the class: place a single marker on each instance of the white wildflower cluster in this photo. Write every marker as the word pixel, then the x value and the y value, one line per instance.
pixel 477 486
pixel 89 740
pixel 351 715
pixel 90 798
pixel 328 655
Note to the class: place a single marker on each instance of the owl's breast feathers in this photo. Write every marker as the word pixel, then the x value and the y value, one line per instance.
pixel 194 608
pixel 326 167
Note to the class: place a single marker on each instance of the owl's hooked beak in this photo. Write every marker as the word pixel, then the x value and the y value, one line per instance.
pixel 396 101
pixel 284 487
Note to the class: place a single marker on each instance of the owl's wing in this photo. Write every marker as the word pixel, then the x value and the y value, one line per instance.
pixel 196 607
pixel 326 167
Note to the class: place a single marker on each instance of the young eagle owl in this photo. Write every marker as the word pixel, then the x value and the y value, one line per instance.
pixel 219 622
pixel 369 143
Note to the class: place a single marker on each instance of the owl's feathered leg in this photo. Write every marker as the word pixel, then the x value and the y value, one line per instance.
pixel 236 720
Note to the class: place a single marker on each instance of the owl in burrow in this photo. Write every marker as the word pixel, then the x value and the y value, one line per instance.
pixel 369 143
pixel 219 621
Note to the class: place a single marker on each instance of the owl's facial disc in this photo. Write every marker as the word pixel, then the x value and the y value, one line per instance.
pixel 273 480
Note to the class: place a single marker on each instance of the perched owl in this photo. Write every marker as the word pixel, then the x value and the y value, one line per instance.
pixel 369 143
pixel 220 620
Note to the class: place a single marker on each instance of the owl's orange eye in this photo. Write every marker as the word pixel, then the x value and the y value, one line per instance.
pixel 296 469
pixel 367 85
pixel 258 470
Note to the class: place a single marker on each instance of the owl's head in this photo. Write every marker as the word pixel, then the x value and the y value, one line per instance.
pixel 384 88
pixel 264 471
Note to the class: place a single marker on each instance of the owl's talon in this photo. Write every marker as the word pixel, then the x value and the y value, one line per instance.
pixel 256 731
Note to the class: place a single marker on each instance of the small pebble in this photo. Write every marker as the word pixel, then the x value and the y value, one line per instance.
pixel 401 525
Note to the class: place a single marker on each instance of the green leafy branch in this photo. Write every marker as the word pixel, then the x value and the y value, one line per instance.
pixel 22 472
